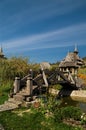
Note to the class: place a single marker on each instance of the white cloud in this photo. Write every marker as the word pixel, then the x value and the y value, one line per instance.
pixel 57 38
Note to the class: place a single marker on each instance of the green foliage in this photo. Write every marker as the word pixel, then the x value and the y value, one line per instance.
pixel 15 66
pixel 83 122
pixel 56 87
pixel 19 66
pixel 5 87
pixel 55 66
pixel 11 67
pixel 35 67
pixel 31 121
pixel 58 115
pixel 83 119
pixel 82 71
pixel 5 90
pixel 3 98
pixel 53 104
pixel 46 117
pixel 72 112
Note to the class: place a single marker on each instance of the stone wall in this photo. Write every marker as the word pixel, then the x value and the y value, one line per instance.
pixel 79 95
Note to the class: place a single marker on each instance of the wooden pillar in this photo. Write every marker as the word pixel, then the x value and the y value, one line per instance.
pixel 16 85
pixel 44 78
pixel 67 69
pixel 29 86
pixel 76 72
pixel 60 69
pixel 59 78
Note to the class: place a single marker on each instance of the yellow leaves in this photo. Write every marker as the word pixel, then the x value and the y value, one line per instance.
pixel 82 76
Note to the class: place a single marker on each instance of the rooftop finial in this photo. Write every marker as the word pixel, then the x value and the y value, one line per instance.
pixel 76 50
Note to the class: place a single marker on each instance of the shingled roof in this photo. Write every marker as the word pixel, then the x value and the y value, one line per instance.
pixel 71 60
pixel 67 64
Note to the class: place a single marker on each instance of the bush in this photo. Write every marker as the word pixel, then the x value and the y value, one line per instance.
pixel 9 68
pixel 31 121
pixel 71 112
pixel 58 115
pixel 4 91
pixel 67 113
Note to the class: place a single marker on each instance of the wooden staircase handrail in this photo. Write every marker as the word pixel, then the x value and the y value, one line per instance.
pixel 24 78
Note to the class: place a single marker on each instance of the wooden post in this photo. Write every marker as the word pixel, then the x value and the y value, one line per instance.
pixel 59 78
pixel 31 82
pixel 16 85
pixel 70 77
pixel 76 72
pixel 29 86
pixel 44 78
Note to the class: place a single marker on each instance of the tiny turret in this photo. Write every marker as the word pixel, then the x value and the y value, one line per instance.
pixel 76 50
pixel 2 56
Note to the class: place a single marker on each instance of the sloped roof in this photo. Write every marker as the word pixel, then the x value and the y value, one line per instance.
pixel 71 60
pixel 68 64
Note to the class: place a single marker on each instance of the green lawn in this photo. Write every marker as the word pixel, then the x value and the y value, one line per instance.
pixel 4 91
pixel 31 121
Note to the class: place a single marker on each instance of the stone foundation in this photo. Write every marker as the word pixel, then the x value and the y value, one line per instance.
pixel 78 95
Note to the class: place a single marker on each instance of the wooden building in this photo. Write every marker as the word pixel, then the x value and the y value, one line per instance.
pixel 71 62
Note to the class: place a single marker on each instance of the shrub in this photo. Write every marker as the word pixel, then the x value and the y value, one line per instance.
pixel 71 112
pixel 9 68
pixel 58 115
pixel 67 113
pixel 4 91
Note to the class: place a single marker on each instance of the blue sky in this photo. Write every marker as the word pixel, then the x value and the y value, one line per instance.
pixel 42 30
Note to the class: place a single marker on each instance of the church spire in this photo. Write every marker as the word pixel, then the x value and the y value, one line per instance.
pixel 1 50
pixel 76 50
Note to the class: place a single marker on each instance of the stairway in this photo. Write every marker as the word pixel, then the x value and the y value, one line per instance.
pixel 10 104
pixel 22 95
pixel 17 100
pixel 14 102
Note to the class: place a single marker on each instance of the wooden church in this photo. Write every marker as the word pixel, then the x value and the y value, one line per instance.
pixel 71 62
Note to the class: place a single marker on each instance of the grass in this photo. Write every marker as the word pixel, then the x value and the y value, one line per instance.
pixel 4 91
pixel 57 86
pixel 31 121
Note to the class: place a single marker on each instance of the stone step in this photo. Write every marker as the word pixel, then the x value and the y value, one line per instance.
pixel 12 100
pixel 23 94
pixel 23 91
pixel 19 97
pixel 8 106
pixel 1 127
